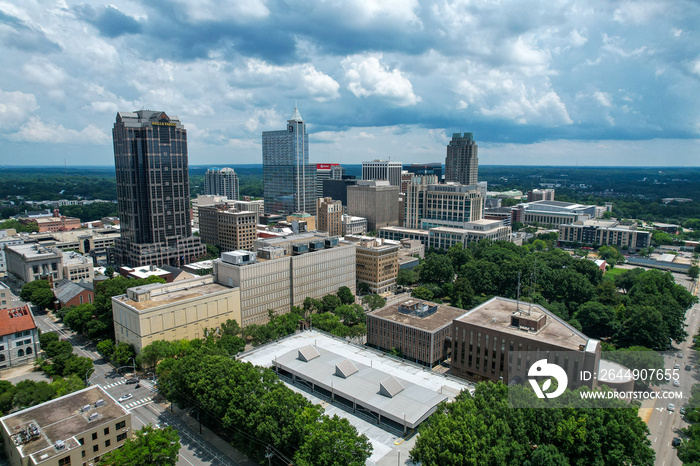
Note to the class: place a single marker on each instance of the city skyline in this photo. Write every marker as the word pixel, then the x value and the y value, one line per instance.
pixel 595 84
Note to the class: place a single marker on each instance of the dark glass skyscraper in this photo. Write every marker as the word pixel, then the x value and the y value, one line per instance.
pixel 462 161
pixel 153 190
pixel 289 181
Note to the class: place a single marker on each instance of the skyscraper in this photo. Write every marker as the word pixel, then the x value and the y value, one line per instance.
pixel 462 162
pixel 289 181
pixel 153 190
pixel 382 170
pixel 221 182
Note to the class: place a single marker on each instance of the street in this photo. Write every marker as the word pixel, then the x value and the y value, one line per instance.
pixel 664 425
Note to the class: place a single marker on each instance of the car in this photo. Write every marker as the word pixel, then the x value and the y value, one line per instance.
pixel 132 380
pixel 128 396
pixel 676 366
pixel 683 409
pixel 676 383
pixel 688 367
pixel 161 425
pixel 679 355
pixel 671 407
pixel 676 441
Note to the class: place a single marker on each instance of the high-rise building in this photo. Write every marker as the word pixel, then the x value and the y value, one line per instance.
pixel 377 201
pixel 414 202
pixel 382 170
pixel 338 189
pixel 327 171
pixel 329 214
pixel 462 161
pixel 289 181
pixel 425 169
pixel 153 190
pixel 227 228
pixel 222 182
pixel 448 205
pixel 378 264
pixel 540 195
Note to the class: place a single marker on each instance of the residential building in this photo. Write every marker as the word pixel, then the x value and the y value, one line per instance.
pixel 77 267
pixel 351 225
pixel 327 171
pixel 221 182
pixel 419 330
pixel 329 214
pixel 173 311
pixel 425 169
pixel 605 233
pixel 70 293
pixel 289 180
pixel 29 262
pixel 78 428
pixel 462 161
pixel 377 201
pixel 57 223
pixel 382 170
pixel 540 195
pixel 555 213
pixel 153 190
pixel 338 189
pixel 415 200
pixel 227 228
pixel 284 271
pixel 499 340
pixel 378 264
pixel 19 337
pixel 446 237
pixel 448 205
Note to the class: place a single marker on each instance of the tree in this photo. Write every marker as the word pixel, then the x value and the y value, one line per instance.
pixel 54 348
pixel 373 301
pixel 43 298
pixel 147 446
pixel 123 352
pixel 694 271
pixel 345 295
pixel 331 302
pixel 437 269
pixel 639 357
pixel 332 441
pixel 462 292
pixel 597 320
pixel 28 289
pixel 406 277
pixel 422 292
pixel 46 338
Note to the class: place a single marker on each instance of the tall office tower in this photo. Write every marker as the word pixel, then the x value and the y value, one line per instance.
pixel 377 201
pixel 414 204
pixel 329 214
pixel 382 170
pixel 223 182
pixel 462 161
pixel 327 171
pixel 153 191
pixel 289 181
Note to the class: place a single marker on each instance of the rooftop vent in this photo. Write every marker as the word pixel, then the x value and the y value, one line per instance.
pixel 99 403
pixel 307 353
pixel 418 309
pixel 85 408
pixel 59 445
pixel 92 417
pixel 345 368
pixel 390 387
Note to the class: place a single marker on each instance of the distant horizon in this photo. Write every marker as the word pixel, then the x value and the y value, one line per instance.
pixel 634 167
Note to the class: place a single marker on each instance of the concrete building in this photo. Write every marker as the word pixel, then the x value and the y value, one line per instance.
pixel 78 428
pixel 250 206
pixel 8 237
pixel 77 267
pixel 425 169
pixel 377 201
pixel 540 195
pixel 446 237
pixel 462 161
pixel 503 214
pixel 301 222
pixel 6 296
pixel 173 311
pixel 448 205
pixel 227 228
pixel 400 233
pixel 221 182
pixel 19 337
pixel 142 273
pixel 338 189
pixel 415 200
pixel 378 264
pixel 284 271
pixel 327 171
pixel 555 213
pixel 70 293
pixel 97 242
pixel 289 180
pixel 29 262
pixel 382 170
pixel 419 330
pixel 329 214
pixel 605 232
pixel 411 247
pixel 498 340
pixel 351 225
pixel 153 190
pixel 57 223
pixel 204 200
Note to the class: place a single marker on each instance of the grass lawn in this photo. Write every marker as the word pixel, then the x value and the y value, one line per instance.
pixel 612 273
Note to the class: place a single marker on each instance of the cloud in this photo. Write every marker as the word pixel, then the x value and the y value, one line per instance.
pixel 109 20
pixel 638 12
pixel 19 32
pixel 304 78
pixel 199 11
pixel 15 108
pixel 36 130
pixel 367 76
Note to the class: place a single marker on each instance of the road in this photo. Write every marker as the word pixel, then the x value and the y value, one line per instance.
pixel 195 449
pixel 665 425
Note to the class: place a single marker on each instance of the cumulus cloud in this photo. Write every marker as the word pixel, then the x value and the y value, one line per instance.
pixel 303 77
pixel 368 76
pixel 15 108
pixel 221 10
pixel 36 130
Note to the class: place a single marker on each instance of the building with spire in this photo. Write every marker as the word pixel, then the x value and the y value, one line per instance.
pixel 153 191
pixel 462 161
pixel 289 181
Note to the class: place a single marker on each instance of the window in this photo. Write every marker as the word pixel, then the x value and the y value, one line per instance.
pixel 63 461
pixel 121 437
pixel 83 454
pixel 106 430
pixel 95 448
pixel 94 435
pixel 108 442
pixel 29 351
pixel 120 425
pixel 20 353
pixel 81 441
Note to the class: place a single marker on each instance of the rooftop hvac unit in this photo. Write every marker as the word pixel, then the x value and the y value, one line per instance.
pixel 85 408
pixel 315 245
pixel 300 248
pixel 92 417
pixel 99 403
pixel 331 242
pixel 59 445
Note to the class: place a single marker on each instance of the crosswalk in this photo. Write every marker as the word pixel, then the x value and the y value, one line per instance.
pixel 138 402
pixel 146 385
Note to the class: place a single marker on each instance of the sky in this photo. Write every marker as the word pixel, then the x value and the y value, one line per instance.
pixel 557 82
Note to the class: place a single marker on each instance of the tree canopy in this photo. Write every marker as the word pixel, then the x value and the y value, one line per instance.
pixel 147 446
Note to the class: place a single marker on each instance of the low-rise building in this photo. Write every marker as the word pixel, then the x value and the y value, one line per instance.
pixel 353 225
pixel 74 429
pixel 173 311
pixel 556 212
pixel 419 330
pixel 69 293
pixel 19 338
pixel 145 272
pixel 77 267
pixel 446 237
pixel 57 223
pixel 605 232
pixel 540 195
pixel 29 262
pixel 378 264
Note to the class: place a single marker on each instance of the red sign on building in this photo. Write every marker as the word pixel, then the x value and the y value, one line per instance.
pixel 326 166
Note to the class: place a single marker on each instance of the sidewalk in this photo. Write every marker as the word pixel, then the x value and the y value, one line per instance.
pixel 210 437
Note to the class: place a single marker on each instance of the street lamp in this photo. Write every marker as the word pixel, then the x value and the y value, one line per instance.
pixel 133 366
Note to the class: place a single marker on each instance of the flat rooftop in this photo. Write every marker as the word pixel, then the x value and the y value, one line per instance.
pixel 169 293
pixel 63 419
pixel 431 323
pixel 35 251
pixel 496 314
